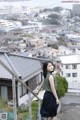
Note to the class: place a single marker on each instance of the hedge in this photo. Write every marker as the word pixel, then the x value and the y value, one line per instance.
pixel 62 85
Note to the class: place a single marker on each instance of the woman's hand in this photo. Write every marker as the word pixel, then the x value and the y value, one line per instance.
pixel 57 101
pixel 36 92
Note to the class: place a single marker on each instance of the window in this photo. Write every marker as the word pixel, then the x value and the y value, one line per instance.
pixel 68 74
pixel 74 66
pixel 67 66
pixel 22 90
pixel 38 79
pixel 74 74
pixel 4 92
pixel 27 85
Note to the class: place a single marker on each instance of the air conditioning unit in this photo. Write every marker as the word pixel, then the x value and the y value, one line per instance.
pixel 3 116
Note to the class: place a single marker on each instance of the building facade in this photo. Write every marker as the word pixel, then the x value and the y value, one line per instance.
pixel 70 68
pixel 76 9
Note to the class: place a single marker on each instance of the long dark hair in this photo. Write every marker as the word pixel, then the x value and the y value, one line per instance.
pixel 45 64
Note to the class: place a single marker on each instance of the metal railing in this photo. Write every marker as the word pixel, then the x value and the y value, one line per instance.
pixel 16 77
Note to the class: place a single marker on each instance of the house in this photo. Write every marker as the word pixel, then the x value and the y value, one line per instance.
pixel 73 41
pixel 64 50
pixel 70 69
pixel 28 69
pixel 37 42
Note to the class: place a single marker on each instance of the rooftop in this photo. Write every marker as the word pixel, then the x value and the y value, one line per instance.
pixel 70 59
pixel 24 66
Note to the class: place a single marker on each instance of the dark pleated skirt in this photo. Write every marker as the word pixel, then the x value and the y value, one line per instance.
pixel 49 105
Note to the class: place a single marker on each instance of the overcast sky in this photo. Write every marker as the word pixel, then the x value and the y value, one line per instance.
pixel 42 3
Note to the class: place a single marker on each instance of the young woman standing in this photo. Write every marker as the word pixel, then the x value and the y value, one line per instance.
pixel 50 100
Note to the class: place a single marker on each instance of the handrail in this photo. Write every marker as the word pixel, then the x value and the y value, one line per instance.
pixel 14 75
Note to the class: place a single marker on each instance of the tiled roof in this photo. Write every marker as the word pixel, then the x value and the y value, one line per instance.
pixel 23 65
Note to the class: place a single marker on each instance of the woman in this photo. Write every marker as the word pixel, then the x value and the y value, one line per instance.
pixel 50 100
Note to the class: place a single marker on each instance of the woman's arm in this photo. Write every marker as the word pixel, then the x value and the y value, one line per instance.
pixel 39 87
pixel 51 80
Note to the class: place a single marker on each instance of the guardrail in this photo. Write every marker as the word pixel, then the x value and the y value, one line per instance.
pixel 15 76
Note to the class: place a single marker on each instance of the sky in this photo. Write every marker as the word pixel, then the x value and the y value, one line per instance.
pixel 44 3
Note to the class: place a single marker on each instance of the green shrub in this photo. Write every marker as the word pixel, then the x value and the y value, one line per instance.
pixel 62 85
pixel 65 84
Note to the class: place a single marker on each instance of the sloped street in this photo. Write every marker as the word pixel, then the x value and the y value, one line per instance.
pixel 70 108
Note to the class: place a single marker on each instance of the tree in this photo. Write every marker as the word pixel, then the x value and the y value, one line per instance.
pixel 56 16
pixel 62 85
pixel 61 40
pixel 57 9
pixel 53 19
pixel 53 45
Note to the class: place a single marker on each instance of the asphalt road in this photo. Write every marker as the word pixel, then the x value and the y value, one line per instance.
pixel 70 107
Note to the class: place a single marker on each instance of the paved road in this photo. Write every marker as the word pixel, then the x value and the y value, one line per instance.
pixel 71 99
pixel 70 114
pixel 70 107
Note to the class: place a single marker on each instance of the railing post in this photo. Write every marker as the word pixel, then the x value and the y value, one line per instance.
pixel 39 110
pixel 30 110
pixel 14 97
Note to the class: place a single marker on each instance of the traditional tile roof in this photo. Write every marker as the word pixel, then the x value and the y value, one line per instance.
pixel 23 66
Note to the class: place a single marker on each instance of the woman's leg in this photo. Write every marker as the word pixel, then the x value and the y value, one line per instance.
pixel 55 118
pixel 49 118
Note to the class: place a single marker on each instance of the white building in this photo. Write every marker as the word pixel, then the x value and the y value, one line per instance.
pixel 65 13
pixel 73 37
pixel 70 69
pixel 9 25
pixel 39 24
pixel 76 9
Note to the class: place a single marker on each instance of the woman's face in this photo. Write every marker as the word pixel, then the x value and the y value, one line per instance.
pixel 50 67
